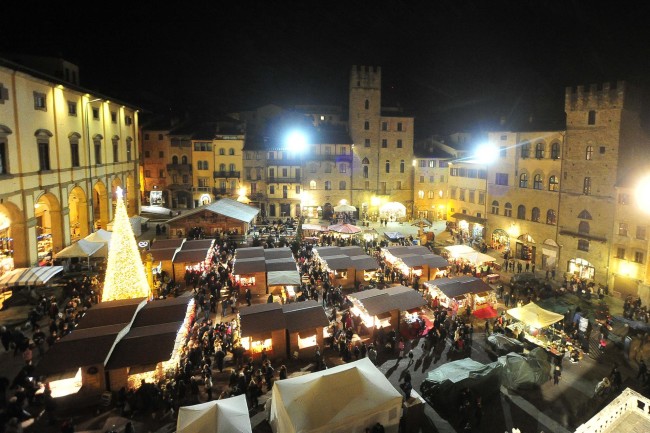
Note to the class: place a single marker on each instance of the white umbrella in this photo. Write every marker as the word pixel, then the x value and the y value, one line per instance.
pixel 344 208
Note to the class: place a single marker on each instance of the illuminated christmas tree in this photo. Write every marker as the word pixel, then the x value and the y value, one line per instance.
pixel 125 274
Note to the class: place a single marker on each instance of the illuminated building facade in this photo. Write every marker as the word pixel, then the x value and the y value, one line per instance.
pixel 63 152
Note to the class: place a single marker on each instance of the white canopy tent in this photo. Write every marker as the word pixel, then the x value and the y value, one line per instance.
pixel 345 398
pixel 534 315
pixel 458 250
pixel 229 415
pixel 283 278
pixel 35 276
pixel 83 249
pixel 477 258
pixel 100 235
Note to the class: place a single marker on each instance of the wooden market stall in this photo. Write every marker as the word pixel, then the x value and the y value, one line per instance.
pixel 262 326
pixel 365 268
pixel 251 273
pixel 459 292
pixel 282 279
pixel 415 261
pixel 185 260
pixel 347 265
pixel 306 323
pixel 224 215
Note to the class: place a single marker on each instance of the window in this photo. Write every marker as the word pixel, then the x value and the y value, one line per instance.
pixel 622 229
pixel 620 253
pixel 231 167
pixel 507 210
pixel 472 196
pixel 421 179
pixel 95 113
pixel 72 108
pixel 39 101
pixel 539 150
pixel 366 125
pixel 523 180
pixel 555 151
pixel 74 152
pixel 584 215
pixel 495 207
pixel 43 154
pixel 602 150
pixel 420 194
pixel 366 143
pixel 4 94
pixel 147 154
pixel 116 151
pixel 641 232
pixel 591 117
pixel 638 257
pixel 366 104
pixel 328 185
pixel 399 144
pixel 401 166
pixel 461 194
pixel 128 121
pixel 589 153
pixel 521 212
pixel 128 151
pixel 583 227
pixel 384 126
pixel 550 217
pixel 312 184
pixel 399 126
pixel 160 136
pixel 538 182
pixel 429 194
pixel 452 193
pixel 98 151
pixel 398 185
pixel 114 117
pixel 161 173
pixel 525 150
pixel 146 136
pixel 553 184
pixel 184 159
pixel 147 173
pixel 297 189
pixel 443 164
pixel 422 163
pixel 586 186
pixel 384 143
pixel 222 151
pixel 502 152
pixel 343 168
pixel 272 189
pixel 342 185
pixel 186 179
pixel 312 168
pixel 328 168
pixel 387 166
pixel 623 198
pixel 501 179
pixel 535 214
pixel 583 245
pixel 365 172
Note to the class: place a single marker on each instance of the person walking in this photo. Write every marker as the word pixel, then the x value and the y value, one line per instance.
pixel 248 296
pixel 557 373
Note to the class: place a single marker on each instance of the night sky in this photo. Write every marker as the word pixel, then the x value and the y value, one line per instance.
pixel 451 64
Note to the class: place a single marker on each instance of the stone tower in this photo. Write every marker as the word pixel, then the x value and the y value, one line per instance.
pixel 603 140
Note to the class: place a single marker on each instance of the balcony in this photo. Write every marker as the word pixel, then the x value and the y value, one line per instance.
pixel 257 196
pixel 201 189
pixel 223 192
pixel 225 174
pixel 295 179
pixel 330 157
pixel 179 168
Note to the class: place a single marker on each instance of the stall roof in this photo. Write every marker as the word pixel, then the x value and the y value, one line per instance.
pixel 198 244
pixel 249 265
pixel 394 235
pixel 162 311
pixel 477 258
pixel 283 264
pixel 162 254
pixel 458 286
pixel 278 253
pixel 364 263
pixel 328 251
pixel 283 278
pixel 190 256
pixel 304 315
pixel 455 250
pixel 109 313
pixel 353 251
pixel 261 318
pixel 338 262
pixel 365 294
pixel 145 345
pixel 535 316
pixel 161 244
pixel 431 260
pixel 418 249
pixel 226 207
pixel 394 298
pixel 246 253
pixel 398 251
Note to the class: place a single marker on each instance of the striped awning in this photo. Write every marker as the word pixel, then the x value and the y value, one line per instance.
pixel 36 276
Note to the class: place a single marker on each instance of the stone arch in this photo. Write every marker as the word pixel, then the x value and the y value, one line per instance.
pixel 13 236
pixel 5 129
pixel 78 213
pixel 100 205
pixel 49 224
pixel 115 183
pixel 43 133
pixel 131 196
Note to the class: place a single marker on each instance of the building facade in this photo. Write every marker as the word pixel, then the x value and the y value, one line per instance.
pixel 64 151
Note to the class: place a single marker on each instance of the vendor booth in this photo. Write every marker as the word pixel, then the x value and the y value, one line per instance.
pixel 216 416
pixel 282 278
pixel 464 254
pixel 365 268
pixel 250 273
pixel 185 260
pixel 394 237
pixel 306 323
pixel 459 292
pixel 345 398
pixel 347 265
pixel 534 323
pixel 415 261
pixel 263 327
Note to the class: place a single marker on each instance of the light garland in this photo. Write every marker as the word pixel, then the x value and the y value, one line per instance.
pixel 125 274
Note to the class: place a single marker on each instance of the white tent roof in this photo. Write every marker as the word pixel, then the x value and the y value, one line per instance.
pixel 36 276
pixel 535 316
pixel 347 397
pixel 83 248
pixel 229 415
pixel 477 258
pixel 456 250
pixel 283 278
pixel 100 235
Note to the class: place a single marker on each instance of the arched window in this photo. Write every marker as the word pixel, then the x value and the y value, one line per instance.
pixel 507 211
pixel 589 153
pixel 312 184
pixel 184 159
pixel 222 151
pixel 583 227
pixel 495 207
pixel 550 217
pixel 366 104
pixel 174 159
pixel 539 150
pixel 583 244
pixel 231 151
pixel 535 214
pixel 553 183
pixel 98 151
pixel 523 180
pixel 525 150
pixel 538 182
pixel 555 151
pixel 342 185
pixel 222 167
pixel 521 212
pixel 584 215
pixel 429 194
pixel 387 166
pixel 365 161
pixel 365 172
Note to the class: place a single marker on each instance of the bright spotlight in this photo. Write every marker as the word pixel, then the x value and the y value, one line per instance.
pixel 296 141
pixel 486 153
pixel 641 194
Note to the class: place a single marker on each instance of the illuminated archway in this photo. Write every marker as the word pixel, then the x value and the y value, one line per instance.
pixel 131 196
pixel 14 252
pixel 49 226
pixel 392 210
pixel 100 205
pixel 78 213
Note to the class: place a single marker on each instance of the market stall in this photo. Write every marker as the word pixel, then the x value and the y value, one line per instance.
pixel 534 323
pixel 190 260
pixel 414 261
pixel 262 326
pixel 365 268
pixel 459 292
pixel 282 278
pixel 306 324
pixel 250 273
